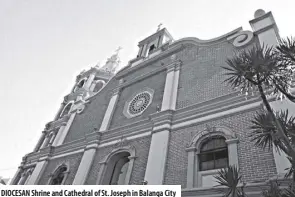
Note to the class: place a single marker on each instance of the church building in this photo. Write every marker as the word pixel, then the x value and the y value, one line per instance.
pixel 167 118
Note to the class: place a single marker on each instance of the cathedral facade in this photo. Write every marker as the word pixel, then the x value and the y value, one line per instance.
pixel 168 118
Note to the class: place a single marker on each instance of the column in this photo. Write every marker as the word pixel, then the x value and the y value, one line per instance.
pixel 57 139
pixel 89 81
pixel 109 112
pixel 17 176
pixel 264 26
pixel 23 178
pixel 155 168
pixel 64 130
pixel 45 142
pixel 29 173
pixel 40 142
pixel 38 171
pixel 62 105
pixel 85 165
pixel 192 166
pixel 52 137
pixel 232 147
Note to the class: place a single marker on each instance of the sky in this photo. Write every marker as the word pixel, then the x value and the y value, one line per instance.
pixel 45 44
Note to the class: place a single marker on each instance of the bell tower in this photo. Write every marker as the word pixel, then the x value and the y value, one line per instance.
pixel 153 43
pixel 88 83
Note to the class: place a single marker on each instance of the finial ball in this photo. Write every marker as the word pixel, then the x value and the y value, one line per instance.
pixel 258 13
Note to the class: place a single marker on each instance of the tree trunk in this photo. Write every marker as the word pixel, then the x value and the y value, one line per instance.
pixel 291 151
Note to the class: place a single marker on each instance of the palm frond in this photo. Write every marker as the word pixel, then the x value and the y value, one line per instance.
pixel 251 67
pixel 265 134
pixel 230 178
pixel 286 48
pixel 263 130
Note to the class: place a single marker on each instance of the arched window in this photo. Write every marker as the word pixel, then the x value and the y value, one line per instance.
pixel 98 85
pixel 208 151
pixel 213 154
pixel 59 176
pixel 66 109
pixel 117 171
pixel 80 84
pixel 151 49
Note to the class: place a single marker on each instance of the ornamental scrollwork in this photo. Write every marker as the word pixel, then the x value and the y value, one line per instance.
pixel 241 38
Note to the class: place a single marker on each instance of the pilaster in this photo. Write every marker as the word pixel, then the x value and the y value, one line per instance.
pixel 232 147
pixel 89 81
pixel 63 131
pixel 155 169
pixel 110 109
pixel 40 142
pixel 191 165
pixel 171 86
pixel 62 105
pixel 58 138
pixel 87 159
pixel 17 175
pixel 264 26
pixel 38 171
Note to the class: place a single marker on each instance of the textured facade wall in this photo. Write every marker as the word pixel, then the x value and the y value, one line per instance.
pixel 92 115
pixel 155 82
pixel 72 160
pixel 255 164
pixel 142 150
pixel 201 77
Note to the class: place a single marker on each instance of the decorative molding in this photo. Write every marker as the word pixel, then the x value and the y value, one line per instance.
pixel 224 131
pixel 121 142
pixel 241 39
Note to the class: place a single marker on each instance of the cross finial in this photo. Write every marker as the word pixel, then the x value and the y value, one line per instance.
pixel 159 27
pixel 119 48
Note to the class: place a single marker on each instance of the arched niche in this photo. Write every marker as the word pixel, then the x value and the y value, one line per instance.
pixel 116 167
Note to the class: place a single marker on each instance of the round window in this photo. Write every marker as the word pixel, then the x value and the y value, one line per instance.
pixel 139 103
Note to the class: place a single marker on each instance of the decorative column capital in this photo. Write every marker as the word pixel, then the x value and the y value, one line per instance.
pixel 116 91
pixel 232 141
pixel 191 149
pixel 174 66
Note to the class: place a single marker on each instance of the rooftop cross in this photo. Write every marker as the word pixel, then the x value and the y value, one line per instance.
pixel 159 27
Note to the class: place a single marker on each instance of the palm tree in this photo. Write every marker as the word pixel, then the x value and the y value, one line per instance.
pixel 230 178
pixel 265 69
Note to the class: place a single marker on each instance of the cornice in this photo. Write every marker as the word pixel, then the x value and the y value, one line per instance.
pixel 163 120
pixel 170 50
pixel 266 15
pixel 208 42
pixel 137 126
pixel 224 110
